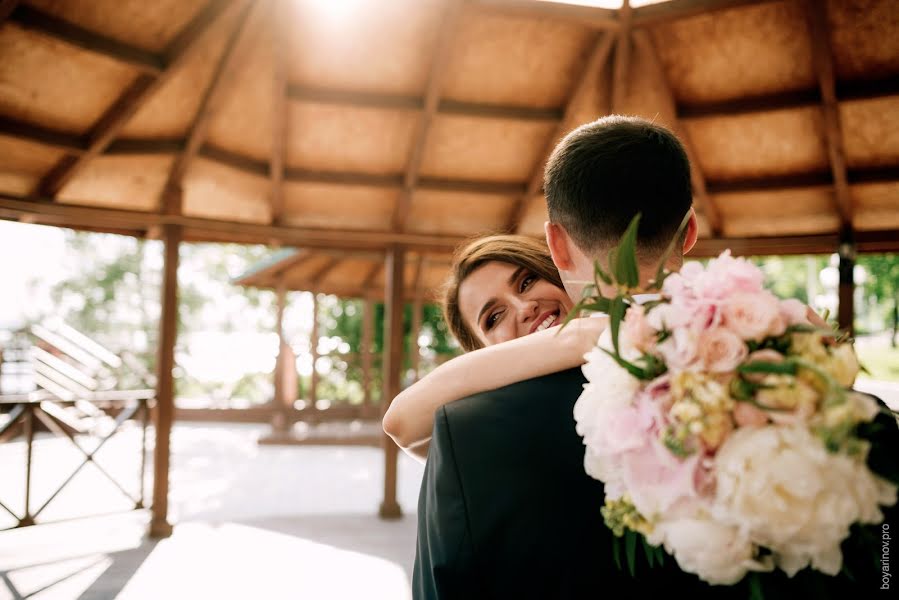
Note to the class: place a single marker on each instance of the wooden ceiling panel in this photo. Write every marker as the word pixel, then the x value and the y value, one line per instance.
pixel 363 45
pixel 746 51
pixel 170 111
pixel 342 138
pixel 864 38
pixel 875 206
pixel 350 271
pixel 535 215
pixel 23 164
pixel 487 149
pixel 123 182
pixel 338 206
pixel 515 61
pixel 871 132
pixel 456 213
pixel 214 191
pixel 243 124
pixel 127 21
pixel 47 82
pixel 772 213
pixel 759 144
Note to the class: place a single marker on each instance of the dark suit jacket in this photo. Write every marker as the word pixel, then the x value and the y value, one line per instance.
pixel 507 511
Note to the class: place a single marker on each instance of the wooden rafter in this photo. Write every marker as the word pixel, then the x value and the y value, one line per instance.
pixel 643 41
pixel 319 275
pixel 370 277
pixel 129 102
pixel 280 112
pixel 448 30
pixel 672 10
pixel 41 135
pixel 6 9
pixel 602 48
pixel 622 65
pixel 36 20
pixel 222 80
pixel 822 58
pixel 598 18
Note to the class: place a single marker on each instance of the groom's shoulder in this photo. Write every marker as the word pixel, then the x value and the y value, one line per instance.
pixel 562 385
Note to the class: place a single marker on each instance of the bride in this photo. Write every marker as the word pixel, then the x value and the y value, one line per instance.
pixel 503 302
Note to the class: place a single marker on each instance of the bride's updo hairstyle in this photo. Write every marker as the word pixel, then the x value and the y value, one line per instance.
pixel 516 250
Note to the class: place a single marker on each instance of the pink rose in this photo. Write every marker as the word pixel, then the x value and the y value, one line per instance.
pixel 753 316
pixel 680 350
pixel 794 312
pixel 721 351
pixel 747 415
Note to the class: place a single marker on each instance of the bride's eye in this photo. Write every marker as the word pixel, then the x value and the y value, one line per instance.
pixel 492 319
pixel 526 282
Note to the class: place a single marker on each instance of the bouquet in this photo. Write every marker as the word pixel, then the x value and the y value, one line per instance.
pixel 723 423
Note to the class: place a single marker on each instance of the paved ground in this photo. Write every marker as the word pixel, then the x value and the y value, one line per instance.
pixel 252 522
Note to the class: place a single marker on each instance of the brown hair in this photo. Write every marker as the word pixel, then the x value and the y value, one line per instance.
pixel 517 250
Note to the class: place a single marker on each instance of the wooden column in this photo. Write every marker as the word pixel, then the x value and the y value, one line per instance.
pixel 313 342
pixel 165 388
pixel 393 364
pixel 283 400
pixel 417 310
pixel 368 325
pixel 846 309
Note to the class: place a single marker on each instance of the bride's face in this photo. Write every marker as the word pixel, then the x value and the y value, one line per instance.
pixel 501 302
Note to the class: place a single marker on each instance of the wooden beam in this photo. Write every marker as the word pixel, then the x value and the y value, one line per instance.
pixel 165 387
pixel 622 65
pixel 6 9
pixel 52 26
pixel 129 102
pixel 654 14
pixel 392 365
pixel 220 85
pixel 598 18
pixel 643 41
pixel 145 147
pixel 449 28
pixel 602 48
pixel 498 111
pixel 41 135
pixel 822 59
pixel 764 184
pixel 280 110
pixel 323 271
pixel 846 304
pixel 368 324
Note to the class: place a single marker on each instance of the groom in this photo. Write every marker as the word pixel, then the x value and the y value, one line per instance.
pixel 506 509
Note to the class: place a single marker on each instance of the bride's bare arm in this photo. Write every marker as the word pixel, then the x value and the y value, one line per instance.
pixel 410 418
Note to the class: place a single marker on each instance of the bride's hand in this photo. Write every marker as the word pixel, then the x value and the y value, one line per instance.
pixel 582 334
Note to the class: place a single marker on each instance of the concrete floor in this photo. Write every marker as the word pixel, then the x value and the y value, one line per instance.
pixel 251 522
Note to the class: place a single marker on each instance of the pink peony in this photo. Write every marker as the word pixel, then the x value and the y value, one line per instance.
pixel 657 479
pixel 794 312
pixel 636 330
pixel 721 351
pixel 681 350
pixel 753 316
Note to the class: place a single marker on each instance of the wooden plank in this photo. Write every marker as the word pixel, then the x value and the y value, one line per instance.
pixel 393 364
pixel 145 147
pixel 672 10
pixel 417 308
pixel 822 59
pixel 368 325
pixel 598 18
pixel 498 111
pixel 643 41
pixel 622 64
pixel 41 135
pixel 47 24
pixel 165 387
pixel 799 180
pixel 6 9
pixel 280 108
pixel 598 57
pixel 114 119
pixel 448 30
pixel 222 81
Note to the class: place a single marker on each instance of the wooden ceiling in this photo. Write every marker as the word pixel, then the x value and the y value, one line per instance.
pixel 356 124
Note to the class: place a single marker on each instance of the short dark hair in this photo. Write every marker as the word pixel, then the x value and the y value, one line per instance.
pixel 605 172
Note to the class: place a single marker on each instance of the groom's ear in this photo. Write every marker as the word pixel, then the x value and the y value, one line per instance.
pixel 692 232
pixel 557 239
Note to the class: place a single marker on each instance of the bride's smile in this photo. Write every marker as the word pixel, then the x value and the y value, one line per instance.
pixel 501 302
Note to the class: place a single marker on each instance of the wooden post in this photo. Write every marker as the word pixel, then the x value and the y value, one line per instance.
pixel 846 309
pixel 313 384
pixel 280 415
pixel 165 389
pixel 393 364
pixel 368 325
pixel 417 309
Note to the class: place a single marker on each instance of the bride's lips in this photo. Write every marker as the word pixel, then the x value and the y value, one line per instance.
pixel 539 321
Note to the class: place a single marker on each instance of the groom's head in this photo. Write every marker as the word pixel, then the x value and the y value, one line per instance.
pixel 599 177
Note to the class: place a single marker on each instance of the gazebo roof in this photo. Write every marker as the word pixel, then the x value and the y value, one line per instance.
pixel 361 124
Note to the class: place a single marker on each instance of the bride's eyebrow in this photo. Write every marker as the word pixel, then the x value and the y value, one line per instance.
pixel 511 282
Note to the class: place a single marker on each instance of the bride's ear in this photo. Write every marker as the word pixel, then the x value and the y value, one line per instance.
pixel 557 240
pixel 692 232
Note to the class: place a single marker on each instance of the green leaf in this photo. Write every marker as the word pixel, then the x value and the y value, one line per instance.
pixel 759 366
pixel 656 283
pixel 626 269
pixel 616 551
pixel 630 549
pixel 755 587
pixel 649 551
pixel 630 367
pixel 617 308
pixel 600 274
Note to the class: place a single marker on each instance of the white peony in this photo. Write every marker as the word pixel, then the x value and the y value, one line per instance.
pixel 718 553
pixel 794 497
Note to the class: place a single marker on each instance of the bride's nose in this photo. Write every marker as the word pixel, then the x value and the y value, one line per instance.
pixel 527 310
